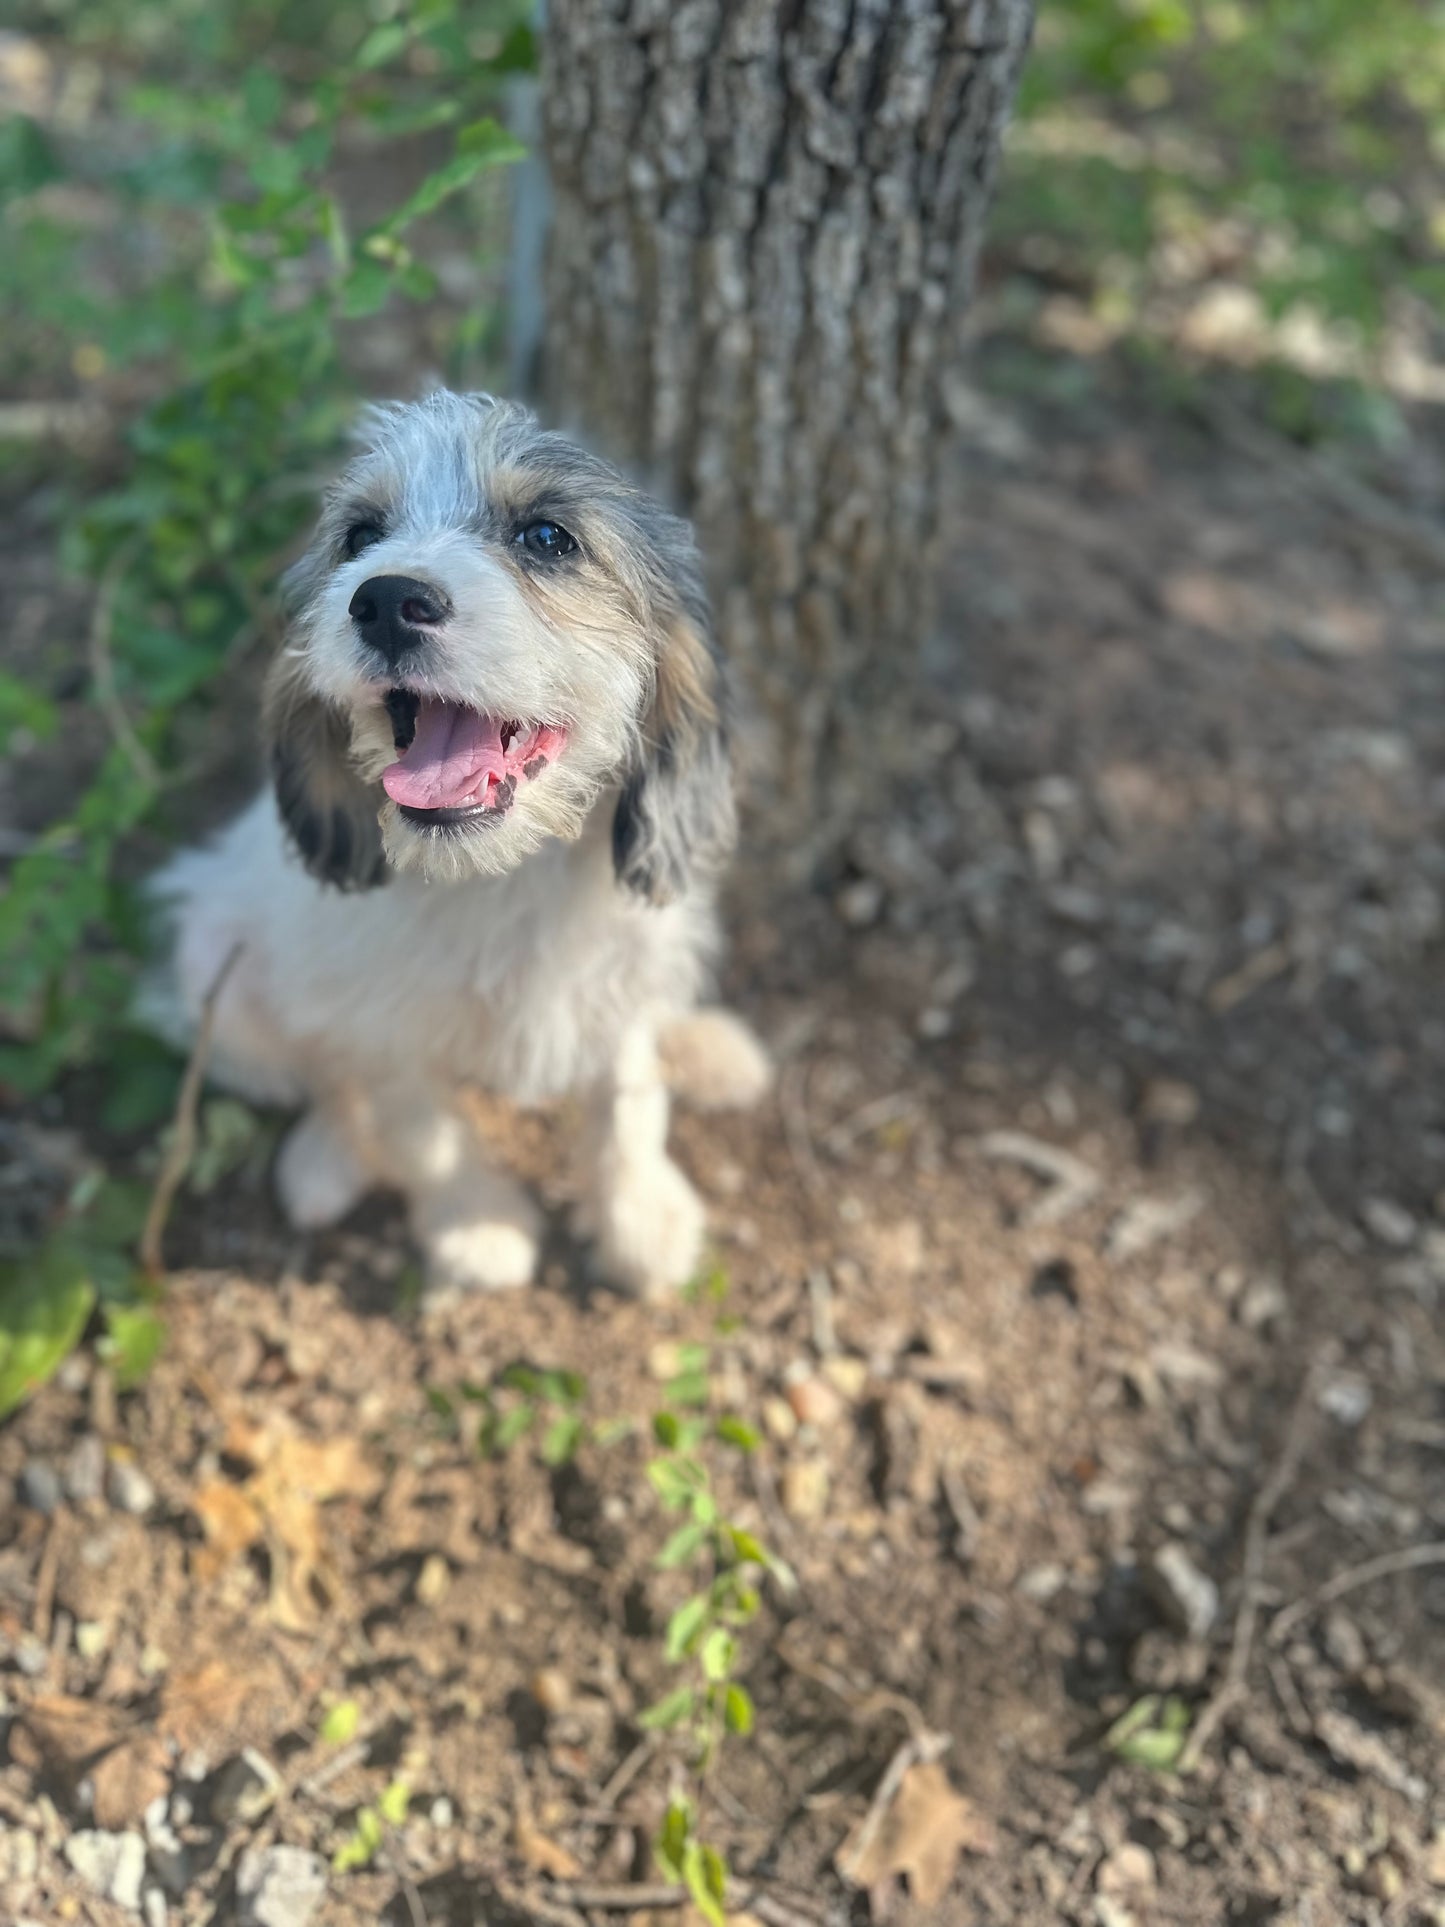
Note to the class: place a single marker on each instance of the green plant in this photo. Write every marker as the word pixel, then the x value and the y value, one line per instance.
pixel 702 1638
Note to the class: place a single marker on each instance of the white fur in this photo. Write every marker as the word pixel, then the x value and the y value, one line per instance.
pixel 369 1009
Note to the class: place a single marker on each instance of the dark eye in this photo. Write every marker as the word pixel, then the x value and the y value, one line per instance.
pixel 362 535
pixel 547 539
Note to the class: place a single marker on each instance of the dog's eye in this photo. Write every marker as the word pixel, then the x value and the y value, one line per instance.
pixel 548 539
pixel 362 535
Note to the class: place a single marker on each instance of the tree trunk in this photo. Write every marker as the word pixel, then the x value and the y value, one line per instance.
pixel 766 215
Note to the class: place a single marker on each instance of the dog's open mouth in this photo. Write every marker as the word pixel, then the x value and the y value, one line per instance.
pixel 457 763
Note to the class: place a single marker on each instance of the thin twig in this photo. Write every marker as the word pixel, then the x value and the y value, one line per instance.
pixel 1407 1559
pixel 181 1147
pixel 1256 1545
pixel 396 1864
pixel 620 1898
pixel 532 1906
pixel 793 1105
pixel 102 668
pixel 622 1779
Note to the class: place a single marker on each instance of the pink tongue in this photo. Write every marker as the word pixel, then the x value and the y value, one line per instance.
pixel 449 759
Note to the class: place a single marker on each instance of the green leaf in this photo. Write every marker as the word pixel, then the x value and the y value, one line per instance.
pixel 133 1339
pixel 736 1431
pixel 670 1483
pixel 394 1802
pixel 687 1541
pixel 341 1723
pixel 738 1710
pixel 670 1710
pixel 1151 1733
pixel 563 1388
pixel 673 1837
pixel 360 1850
pixel 688 1388
pixel 22 707
pixel 705 1874
pixel 382 44
pixel 365 289
pixel 685 1626
pixel 509 1427
pixel 664 1429
pixel 45 1302
pixel 718 1653
pixel 561 1439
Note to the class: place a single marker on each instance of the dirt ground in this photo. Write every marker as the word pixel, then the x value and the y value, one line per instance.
pixel 1096 1234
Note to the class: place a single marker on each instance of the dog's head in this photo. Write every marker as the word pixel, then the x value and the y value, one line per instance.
pixel 493 629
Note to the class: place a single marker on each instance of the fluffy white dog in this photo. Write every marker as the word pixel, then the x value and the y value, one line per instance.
pixel 498 701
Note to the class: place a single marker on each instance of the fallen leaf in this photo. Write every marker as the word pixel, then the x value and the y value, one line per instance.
pixel 128 1779
pixel 279 1505
pixel 921 1835
pixel 230 1522
pixel 545 1855
pixel 67 1733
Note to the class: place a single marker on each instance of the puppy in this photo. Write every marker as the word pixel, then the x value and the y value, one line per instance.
pixel 500 797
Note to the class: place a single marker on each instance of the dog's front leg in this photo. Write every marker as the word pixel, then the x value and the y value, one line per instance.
pixel 477 1226
pixel 646 1218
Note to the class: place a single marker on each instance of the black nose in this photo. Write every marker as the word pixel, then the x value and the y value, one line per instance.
pixel 393 613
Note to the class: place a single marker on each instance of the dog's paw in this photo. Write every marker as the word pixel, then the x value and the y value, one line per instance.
pixel 713 1062
pixel 481 1257
pixel 318 1177
pixel 650 1231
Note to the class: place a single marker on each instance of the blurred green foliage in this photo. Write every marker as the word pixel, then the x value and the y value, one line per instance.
pixel 180 228
pixel 1297 146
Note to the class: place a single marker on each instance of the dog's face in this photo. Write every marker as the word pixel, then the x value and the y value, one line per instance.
pixel 494 628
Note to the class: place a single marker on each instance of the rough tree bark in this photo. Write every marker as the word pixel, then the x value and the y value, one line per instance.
pixel 765 219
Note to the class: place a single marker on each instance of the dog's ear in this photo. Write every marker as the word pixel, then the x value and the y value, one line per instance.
pixel 330 814
pixel 676 819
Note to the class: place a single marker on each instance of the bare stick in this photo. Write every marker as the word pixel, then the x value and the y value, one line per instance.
pixel 179 1151
pixel 1408 1559
pixel 102 668
pixel 1256 1544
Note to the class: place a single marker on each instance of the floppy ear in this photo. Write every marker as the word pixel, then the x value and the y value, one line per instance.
pixel 329 812
pixel 676 819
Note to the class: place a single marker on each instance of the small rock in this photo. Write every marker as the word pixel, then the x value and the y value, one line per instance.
pixel 433 1581
pixel 848 1376
pixel 1388 1222
pixel 1041 1583
pixel 130 1489
pixel 1435 1859
pixel 1346 1397
pixel 112 1864
pixel 1345 1644
pixel 40 1486
pixel 32 1655
pixel 1168 1100
pixel 779 1420
pixel 804 1489
pixel 443 1814
pixel 934 1023
pixel 1127 1873
pixel 279 1886
pixel 244 1788
pixel 814 1402
pixel 1188 1598
pixel 551 1689
pixel 860 904
pixel 19 1858
pixel 1383 1879
pixel 1262 1303
pixel 85 1469
pixel 92 1636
